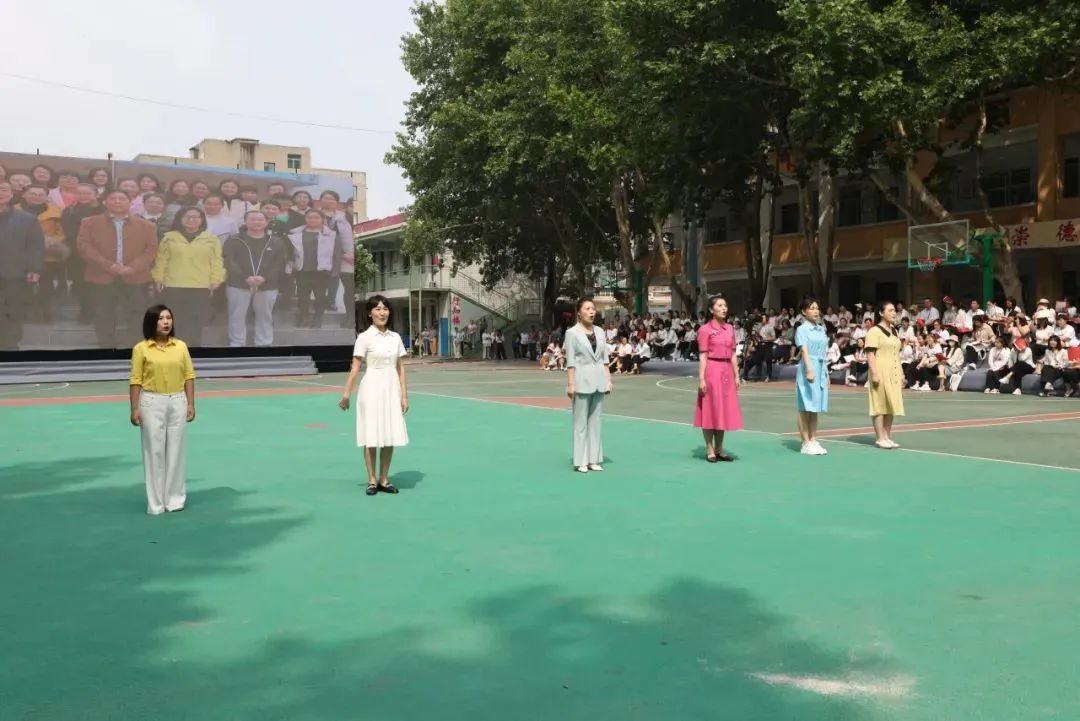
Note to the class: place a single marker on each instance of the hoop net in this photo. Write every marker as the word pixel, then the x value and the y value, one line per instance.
pixel 928 265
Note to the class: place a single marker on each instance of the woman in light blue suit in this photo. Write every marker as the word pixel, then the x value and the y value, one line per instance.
pixel 588 380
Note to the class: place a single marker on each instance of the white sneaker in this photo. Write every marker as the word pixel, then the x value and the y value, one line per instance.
pixel 582 469
pixel 986 391
pixel 1048 387
pixel 893 444
pixel 1017 392
pixel 819 450
pixel 808 449
pixel 994 392
pixel 595 467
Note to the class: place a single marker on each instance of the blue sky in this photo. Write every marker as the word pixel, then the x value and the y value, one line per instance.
pixel 334 62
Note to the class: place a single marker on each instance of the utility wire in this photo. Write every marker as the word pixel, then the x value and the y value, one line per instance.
pixel 162 103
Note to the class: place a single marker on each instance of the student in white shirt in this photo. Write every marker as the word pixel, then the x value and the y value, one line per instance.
pixel 624 351
pixel 926 369
pixel 640 355
pixel 671 342
pixel 1043 331
pixel 860 364
pixel 1043 310
pixel 690 343
pixel 951 369
pixel 907 360
pixel 1053 365
pixel 999 361
pixel 485 343
pixel 859 332
pixel 906 330
pixel 1021 364
pixel 1065 332
pixel 832 356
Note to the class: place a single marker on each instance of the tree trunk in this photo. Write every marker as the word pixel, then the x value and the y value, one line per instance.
pixel 758 245
pixel 551 290
pixel 688 293
pixel 1006 273
pixel 1005 270
pixel 819 232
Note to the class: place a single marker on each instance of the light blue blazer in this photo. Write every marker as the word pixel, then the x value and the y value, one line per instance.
pixel 588 365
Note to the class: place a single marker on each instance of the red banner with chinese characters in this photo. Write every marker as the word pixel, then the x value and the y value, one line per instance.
pixel 455 309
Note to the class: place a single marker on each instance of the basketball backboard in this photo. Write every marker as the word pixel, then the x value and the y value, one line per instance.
pixel 939 244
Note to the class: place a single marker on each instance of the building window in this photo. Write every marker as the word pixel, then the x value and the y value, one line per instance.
pixel 294 161
pixel 194 153
pixel 269 167
pixel 998 114
pixel 716 230
pixel 850 212
pixel 887 211
pixel 1071 181
pixel 1009 187
pixel 789 218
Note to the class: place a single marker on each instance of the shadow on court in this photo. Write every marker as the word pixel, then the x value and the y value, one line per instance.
pixel 90 584
pixel 96 596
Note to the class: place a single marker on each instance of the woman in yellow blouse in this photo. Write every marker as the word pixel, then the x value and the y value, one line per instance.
pixel 188 269
pixel 162 403
pixel 886 376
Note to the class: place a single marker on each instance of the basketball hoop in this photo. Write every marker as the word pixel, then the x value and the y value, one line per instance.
pixel 928 265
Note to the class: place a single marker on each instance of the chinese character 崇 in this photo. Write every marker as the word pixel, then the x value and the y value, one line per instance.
pixel 1021 236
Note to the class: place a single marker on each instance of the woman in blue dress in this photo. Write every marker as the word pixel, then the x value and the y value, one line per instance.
pixel 812 378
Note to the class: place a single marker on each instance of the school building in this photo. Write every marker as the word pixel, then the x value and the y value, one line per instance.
pixel 1031 179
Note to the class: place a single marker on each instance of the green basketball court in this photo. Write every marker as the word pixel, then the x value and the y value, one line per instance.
pixel 939 581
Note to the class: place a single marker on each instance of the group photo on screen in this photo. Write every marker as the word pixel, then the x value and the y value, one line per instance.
pixel 244 258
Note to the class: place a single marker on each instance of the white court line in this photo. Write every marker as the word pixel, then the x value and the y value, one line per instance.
pixel 898 687
pixel 765 433
pixel 546 381
pixel 38 388
pixel 854 394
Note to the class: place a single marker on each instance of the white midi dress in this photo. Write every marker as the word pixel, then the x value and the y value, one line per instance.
pixel 379 420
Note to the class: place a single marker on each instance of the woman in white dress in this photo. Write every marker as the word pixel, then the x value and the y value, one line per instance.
pixel 383 399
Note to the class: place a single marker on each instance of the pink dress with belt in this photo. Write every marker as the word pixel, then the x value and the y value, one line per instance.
pixel 718 409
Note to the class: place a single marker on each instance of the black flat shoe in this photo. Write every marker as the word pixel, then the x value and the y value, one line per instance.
pixel 388 488
pixel 725 458
pixel 372 489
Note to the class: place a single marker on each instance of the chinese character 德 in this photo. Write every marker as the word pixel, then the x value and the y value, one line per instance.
pixel 1066 232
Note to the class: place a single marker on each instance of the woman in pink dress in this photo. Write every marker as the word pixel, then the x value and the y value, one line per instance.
pixel 718 378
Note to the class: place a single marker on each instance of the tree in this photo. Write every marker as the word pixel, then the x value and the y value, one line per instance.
pixel 364 268
pixel 486 154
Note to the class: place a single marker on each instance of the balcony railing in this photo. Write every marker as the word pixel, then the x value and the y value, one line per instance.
pixel 430 277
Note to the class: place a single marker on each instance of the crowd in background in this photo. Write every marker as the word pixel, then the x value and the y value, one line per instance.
pixel 941 342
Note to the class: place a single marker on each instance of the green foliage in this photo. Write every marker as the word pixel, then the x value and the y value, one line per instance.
pixel 364 268
pixel 548 135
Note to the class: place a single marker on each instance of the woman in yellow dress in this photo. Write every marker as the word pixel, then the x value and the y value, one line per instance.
pixel 886 376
